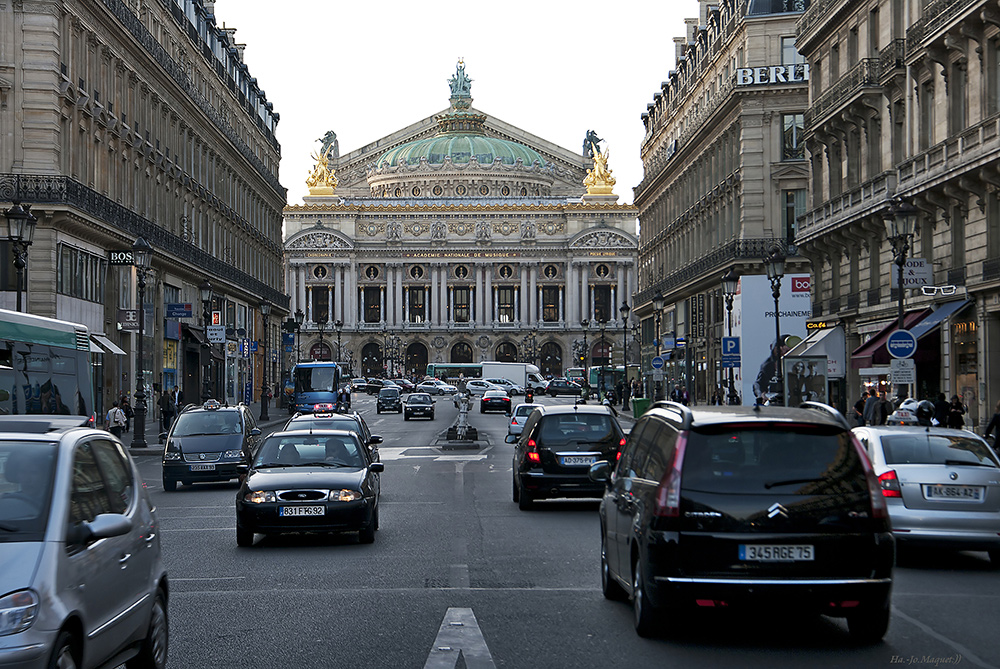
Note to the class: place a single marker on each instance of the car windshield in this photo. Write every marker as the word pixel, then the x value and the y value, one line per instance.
pixel 207 422
pixel 27 470
pixel 310 450
pixel 418 399
pixel 525 410
pixel 936 449
pixel 495 393
pixel 794 459
pixel 388 392
pixel 332 423
pixel 576 427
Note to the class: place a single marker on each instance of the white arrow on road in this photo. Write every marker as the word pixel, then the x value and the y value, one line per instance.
pixel 459 636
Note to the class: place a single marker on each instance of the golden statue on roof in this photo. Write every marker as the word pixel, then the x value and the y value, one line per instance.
pixel 599 180
pixel 323 179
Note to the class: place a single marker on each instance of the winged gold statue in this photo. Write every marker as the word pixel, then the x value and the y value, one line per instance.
pixel 599 180
pixel 323 179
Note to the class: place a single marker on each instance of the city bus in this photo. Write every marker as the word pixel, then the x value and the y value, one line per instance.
pixel 45 367
pixel 521 373
pixel 316 382
pixel 451 371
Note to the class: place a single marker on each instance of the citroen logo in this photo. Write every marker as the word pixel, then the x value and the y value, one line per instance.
pixel 776 510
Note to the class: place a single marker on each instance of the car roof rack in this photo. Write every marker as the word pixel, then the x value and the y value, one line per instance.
pixel 685 415
pixel 828 410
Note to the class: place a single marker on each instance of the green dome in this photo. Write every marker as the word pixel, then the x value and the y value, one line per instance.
pixel 461 146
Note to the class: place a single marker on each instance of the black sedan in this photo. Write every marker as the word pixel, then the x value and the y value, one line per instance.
pixel 418 404
pixel 309 481
pixel 495 400
pixel 562 387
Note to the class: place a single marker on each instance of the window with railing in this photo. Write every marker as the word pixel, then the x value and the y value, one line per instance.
pixel 79 274
pixel 461 308
pixel 417 308
pixel 602 303
pixel 373 304
pixel 795 206
pixel 550 304
pixel 792 145
pixel 505 304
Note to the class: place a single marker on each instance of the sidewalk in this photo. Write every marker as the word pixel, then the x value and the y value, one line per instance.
pixel 276 416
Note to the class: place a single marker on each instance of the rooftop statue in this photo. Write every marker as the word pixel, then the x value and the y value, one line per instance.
pixel 330 139
pixel 322 180
pixel 461 85
pixel 589 141
pixel 599 180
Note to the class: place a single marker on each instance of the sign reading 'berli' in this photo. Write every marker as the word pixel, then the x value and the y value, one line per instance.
pixel 773 74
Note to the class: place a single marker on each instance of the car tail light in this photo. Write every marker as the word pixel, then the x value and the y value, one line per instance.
pixel 532 452
pixel 875 494
pixel 889 483
pixel 322 407
pixel 621 443
pixel 668 494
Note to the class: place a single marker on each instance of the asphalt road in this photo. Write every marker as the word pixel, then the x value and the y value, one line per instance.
pixel 456 569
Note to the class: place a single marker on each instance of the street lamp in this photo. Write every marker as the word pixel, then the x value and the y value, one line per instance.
pixel 900 222
pixel 20 233
pixel 528 344
pixel 205 292
pixel 321 326
pixel 658 303
pixel 265 311
pixel 730 283
pixel 142 257
pixel 604 357
pixel 624 310
pixel 299 318
pixel 339 325
pixel 774 264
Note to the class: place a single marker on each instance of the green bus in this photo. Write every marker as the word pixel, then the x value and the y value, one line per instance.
pixel 45 367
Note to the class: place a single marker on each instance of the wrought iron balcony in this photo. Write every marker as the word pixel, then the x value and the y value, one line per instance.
pixel 956 276
pixel 892 59
pixel 819 11
pixel 991 269
pixel 933 17
pixel 863 75
pixel 872 298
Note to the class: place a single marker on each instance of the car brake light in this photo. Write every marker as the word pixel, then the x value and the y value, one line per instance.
pixel 322 407
pixel 534 457
pixel 532 452
pixel 513 421
pixel 621 443
pixel 668 494
pixel 889 483
pixel 879 508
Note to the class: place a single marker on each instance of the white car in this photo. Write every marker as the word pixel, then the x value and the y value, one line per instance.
pixel 519 417
pixel 478 386
pixel 436 387
pixel 508 385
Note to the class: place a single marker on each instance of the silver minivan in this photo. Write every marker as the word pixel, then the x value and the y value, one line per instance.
pixel 82 582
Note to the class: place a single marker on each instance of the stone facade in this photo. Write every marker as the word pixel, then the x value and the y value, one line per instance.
pixel 724 178
pixel 905 107
pixel 123 120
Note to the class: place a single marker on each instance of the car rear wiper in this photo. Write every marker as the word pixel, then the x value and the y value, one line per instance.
pixel 8 528
pixel 773 484
pixel 970 463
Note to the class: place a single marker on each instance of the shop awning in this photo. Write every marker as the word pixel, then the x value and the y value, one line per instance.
pixel 829 342
pixel 94 348
pixel 938 316
pixel 197 334
pixel 106 344
pixel 866 354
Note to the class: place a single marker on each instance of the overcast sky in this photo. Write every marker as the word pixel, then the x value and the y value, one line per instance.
pixel 550 67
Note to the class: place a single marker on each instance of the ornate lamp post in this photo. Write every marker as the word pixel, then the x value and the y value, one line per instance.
pixel 339 326
pixel 20 233
pixel 730 282
pixel 142 257
pixel 774 263
pixel 265 311
pixel 658 303
pixel 299 318
pixel 528 344
pixel 205 292
pixel 900 221
pixel 624 310
pixel 604 356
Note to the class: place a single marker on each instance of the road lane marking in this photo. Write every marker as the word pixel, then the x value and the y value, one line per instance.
pixel 458 575
pixel 459 638
pixel 959 648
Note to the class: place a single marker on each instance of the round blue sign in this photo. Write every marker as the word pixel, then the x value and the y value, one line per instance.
pixel 901 344
pixel 657 362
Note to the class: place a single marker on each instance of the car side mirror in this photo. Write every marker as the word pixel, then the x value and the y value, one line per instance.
pixel 510 439
pixel 103 526
pixel 376 467
pixel 375 439
pixel 600 472
pixel 255 432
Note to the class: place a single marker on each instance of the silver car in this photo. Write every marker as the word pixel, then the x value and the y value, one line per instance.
pixel 82 581
pixel 519 417
pixel 942 486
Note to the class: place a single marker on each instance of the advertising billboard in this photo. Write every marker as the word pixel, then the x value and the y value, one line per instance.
pixel 805 379
pixel 753 321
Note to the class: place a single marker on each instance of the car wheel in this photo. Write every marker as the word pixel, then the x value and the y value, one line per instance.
pixel 516 494
pixel 870 623
pixel 63 653
pixel 169 485
pixel 406 416
pixel 645 615
pixel 482 410
pixel 377 410
pixel 153 653
pixel 432 415
pixel 367 534
pixel 995 558
pixel 609 586
pixel 244 537
pixel 525 502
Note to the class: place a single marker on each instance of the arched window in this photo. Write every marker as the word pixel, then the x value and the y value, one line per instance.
pixel 550 361
pixel 461 352
pixel 506 352
pixel 371 360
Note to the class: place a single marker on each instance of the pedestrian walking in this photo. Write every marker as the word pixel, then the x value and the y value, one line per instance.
pixel 872 408
pixel 166 411
pixel 956 413
pixel 941 408
pixel 178 398
pixel 994 424
pixel 859 410
pixel 115 420
pixel 126 407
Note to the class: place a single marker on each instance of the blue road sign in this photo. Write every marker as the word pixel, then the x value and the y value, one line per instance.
pixel 657 362
pixel 668 342
pixel 901 344
pixel 730 352
pixel 178 310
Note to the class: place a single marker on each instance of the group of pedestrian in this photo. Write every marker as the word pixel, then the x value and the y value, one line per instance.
pixel 680 395
pixel 170 403
pixel 873 408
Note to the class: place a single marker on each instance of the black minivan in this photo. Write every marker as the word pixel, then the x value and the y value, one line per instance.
pixel 745 507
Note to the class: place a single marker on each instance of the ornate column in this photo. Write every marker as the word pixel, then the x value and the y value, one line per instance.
pixel 301 281
pixel 562 304
pixel 400 276
pixel 338 294
pixel 361 315
pixel 443 291
pixel 488 296
pixel 329 304
pixel 533 300
pixel 517 305
pixel 477 317
pixel 381 304
pixel 351 290
pixel 309 305
pixel 451 301
pixel 569 285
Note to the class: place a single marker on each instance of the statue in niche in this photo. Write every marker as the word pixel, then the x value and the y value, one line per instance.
pixel 588 143
pixel 483 231
pixel 439 231
pixel 393 231
pixel 528 231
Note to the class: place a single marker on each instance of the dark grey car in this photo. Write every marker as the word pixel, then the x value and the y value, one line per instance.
pixel 73 510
